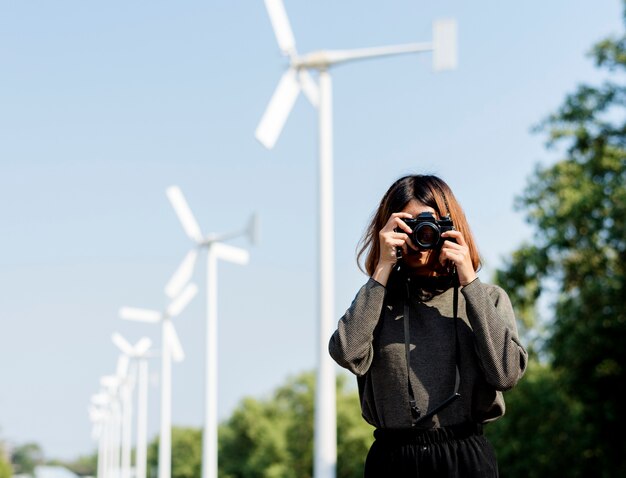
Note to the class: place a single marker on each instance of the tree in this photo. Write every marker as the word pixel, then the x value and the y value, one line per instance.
pixel 577 207
pixel 6 471
pixel 186 453
pixel 274 438
pixel 26 457
pixel 535 437
pixel 5 468
pixel 86 465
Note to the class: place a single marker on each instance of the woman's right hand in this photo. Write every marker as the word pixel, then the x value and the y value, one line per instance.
pixel 389 241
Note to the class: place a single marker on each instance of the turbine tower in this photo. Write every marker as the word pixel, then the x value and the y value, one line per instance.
pixel 297 78
pixel 171 349
pixel 111 383
pixel 100 416
pixel 139 353
pixel 215 250
pixel 125 390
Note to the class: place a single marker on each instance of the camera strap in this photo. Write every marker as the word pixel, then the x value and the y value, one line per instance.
pixel 416 413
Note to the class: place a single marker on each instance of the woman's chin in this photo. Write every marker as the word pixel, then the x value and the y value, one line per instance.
pixel 417 261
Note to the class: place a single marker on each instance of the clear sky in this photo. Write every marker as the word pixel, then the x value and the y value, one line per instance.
pixel 105 104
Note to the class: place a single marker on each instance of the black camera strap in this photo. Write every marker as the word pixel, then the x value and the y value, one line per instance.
pixel 416 414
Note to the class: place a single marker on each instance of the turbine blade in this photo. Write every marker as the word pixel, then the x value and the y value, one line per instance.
pixel 178 304
pixel 122 344
pixel 278 109
pixel 142 346
pixel 185 216
pixel 335 57
pixel 309 87
pixel 182 274
pixel 230 253
pixel 444 45
pixel 254 229
pixel 176 349
pixel 142 315
pixel 280 24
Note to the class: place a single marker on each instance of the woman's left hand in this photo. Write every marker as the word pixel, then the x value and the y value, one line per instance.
pixel 458 253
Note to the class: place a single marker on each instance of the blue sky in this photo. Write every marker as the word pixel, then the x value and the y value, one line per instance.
pixel 105 104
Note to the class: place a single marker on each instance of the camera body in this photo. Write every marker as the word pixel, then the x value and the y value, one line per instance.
pixel 426 230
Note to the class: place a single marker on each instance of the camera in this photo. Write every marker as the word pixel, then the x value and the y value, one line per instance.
pixel 426 230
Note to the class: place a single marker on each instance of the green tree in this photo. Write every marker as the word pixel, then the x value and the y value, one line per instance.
pixel 86 465
pixel 536 437
pixel 6 470
pixel 26 457
pixel 577 207
pixel 186 453
pixel 274 438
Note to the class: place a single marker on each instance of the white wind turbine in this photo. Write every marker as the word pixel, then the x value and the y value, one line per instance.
pixel 100 414
pixel 171 349
pixel 111 385
pixel 139 353
pixel 215 250
pixel 295 79
pixel 124 390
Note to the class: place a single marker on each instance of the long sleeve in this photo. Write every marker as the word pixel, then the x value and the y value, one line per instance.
pixel 501 356
pixel 351 344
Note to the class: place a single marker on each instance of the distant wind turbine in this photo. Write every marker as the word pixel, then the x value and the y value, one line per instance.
pixel 137 352
pixel 125 390
pixel 294 80
pixel 171 349
pixel 99 414
pixel 215 250
pixel 111 385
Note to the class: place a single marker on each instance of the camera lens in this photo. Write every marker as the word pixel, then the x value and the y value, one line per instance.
pixel 426 235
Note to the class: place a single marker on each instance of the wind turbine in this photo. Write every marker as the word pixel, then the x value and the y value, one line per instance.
pixel 139 353
pixel 111 385
pixel 100 415
pixel 171 349
pixel 125 387
pixel 294 80
pixel 215 250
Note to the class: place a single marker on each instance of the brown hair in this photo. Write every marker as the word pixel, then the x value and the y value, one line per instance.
pixel 427 190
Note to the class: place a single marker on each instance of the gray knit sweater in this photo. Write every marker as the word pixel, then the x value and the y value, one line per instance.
pixel 369 341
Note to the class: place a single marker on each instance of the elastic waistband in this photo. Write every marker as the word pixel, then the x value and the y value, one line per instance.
pixel 428 436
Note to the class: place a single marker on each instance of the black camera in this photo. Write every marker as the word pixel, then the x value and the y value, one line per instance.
pixel 426 230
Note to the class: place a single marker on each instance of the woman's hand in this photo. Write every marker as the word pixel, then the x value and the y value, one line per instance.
pixel 389 240
pixel 458 253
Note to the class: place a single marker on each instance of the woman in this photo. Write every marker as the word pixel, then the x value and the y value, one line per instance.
pixel 425 306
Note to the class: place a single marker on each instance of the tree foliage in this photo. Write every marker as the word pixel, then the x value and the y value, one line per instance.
pixel 273 438
pixel 577 207
pixel 26 457
pixel 537 436
pixel 186 453
pixel 86 465
pixel 6 470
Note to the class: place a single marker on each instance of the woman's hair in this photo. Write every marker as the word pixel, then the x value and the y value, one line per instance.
pixel 427 190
